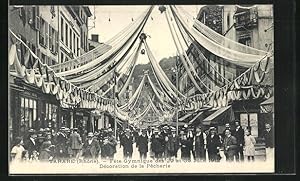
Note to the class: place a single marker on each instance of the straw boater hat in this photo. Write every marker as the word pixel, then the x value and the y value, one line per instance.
pixel 31 132
pixel 109 130
pixel 182 132
pixel 127 130
pixel 155 130
pixel 212 128
pixel 173 129
pixel 90 134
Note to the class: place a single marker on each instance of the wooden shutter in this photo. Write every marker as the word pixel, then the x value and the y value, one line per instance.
pixel 37 18
pixel 56 41
pixel 50 39
pixel 47 26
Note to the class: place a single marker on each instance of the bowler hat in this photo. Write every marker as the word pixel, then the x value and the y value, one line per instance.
pixel 90 134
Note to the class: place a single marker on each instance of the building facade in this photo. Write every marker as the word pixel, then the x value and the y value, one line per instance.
pixel 40 28
pixel 249 25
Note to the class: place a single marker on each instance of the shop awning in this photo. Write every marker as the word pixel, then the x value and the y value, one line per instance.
pixel 185 116
pixel 268 101
pixel 200 113
pixel 216 114
pixel 267 106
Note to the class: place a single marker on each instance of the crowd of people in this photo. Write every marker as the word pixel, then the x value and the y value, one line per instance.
pixel 152 142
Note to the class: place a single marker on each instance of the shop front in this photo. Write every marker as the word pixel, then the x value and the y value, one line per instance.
pixel 250 116
pixel 30 108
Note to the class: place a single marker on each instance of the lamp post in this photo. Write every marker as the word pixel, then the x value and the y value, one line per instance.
pixel 176 73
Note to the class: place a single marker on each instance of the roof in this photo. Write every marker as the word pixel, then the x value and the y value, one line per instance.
pixel 87 10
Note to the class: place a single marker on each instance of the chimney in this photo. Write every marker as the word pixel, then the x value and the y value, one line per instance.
pixel 95 37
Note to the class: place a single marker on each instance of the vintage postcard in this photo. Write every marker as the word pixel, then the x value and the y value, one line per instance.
pixel 118 89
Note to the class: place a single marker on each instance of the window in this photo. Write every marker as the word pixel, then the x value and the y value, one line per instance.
pixel 77 47
pixel 43 58
pixel 246 41
pixel 250 121
pixel 74 47
pixel 51 38
pixel 61 57
pixel 66 34
pixel 51 114
pixel 42 33
pixel 62 29
pixel 228 20
pixel 28 112
pixel 71 44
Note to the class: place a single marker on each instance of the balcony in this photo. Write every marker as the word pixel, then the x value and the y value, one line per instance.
pixel 246 18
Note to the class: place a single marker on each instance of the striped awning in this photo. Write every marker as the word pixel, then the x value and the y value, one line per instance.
pixel 185 116
pixel 191 121
pixel 216 114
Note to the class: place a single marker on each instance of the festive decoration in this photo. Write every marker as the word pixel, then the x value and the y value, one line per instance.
pixel 162 9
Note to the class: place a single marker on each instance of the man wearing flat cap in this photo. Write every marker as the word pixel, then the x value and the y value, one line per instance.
pixel 127 141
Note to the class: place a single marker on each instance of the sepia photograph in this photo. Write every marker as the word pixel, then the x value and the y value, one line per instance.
pixel 141 89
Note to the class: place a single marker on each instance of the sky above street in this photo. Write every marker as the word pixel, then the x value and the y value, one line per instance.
pixel 160 40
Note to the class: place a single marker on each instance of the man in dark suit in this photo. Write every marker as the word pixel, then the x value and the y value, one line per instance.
pixel 199 145
pixel 76 143
pixel 230 146
pixel 127 141
pixel 269 141
pixel 213 145
pixel 91 147
pixel 172 144
pixel 30 143
pixel 239 134
pixel 142 144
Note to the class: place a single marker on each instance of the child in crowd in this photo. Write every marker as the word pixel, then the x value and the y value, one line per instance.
pixel 249 145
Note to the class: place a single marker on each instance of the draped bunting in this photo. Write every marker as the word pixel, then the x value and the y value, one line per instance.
pixel 189 41
pixel 113 59
pixel 133 100
pixel 46 79
pixel 163 79
pixel 241 56
pixel 160 98
pixel 183 57
pixel 244 87
pixel 114 49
